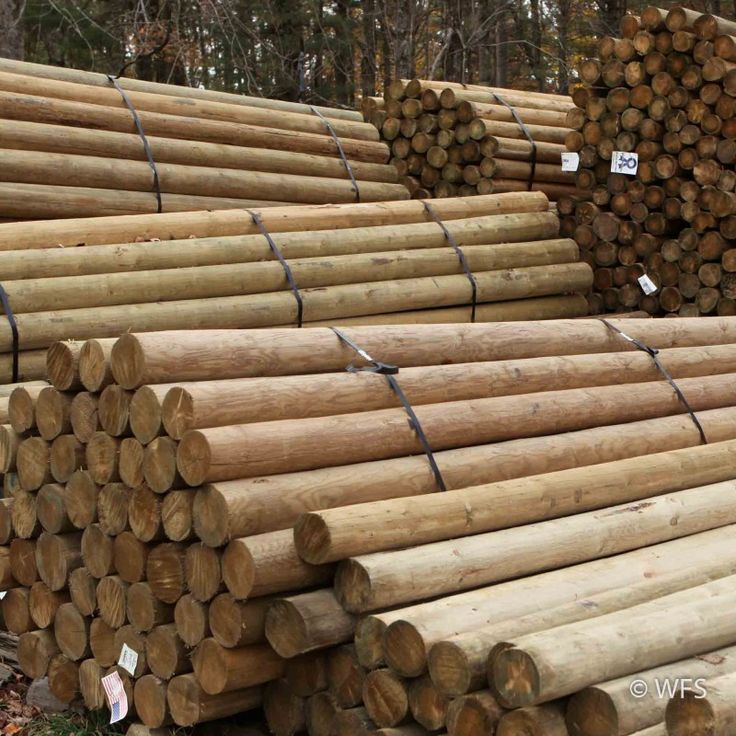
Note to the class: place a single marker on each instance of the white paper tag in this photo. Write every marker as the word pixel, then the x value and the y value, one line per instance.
pixel 116 697
pixel 128 659
pixel 647 285
pixel 624 162
pixel 3 594
pixel 570 161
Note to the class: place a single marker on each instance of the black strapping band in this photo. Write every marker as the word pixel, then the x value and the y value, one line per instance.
pixel 389 372
pixel 460 255
pixel 141 133
pixel 653 353
pixel 258 222
pixel 528 135
pixel 5 301
pixel 340 150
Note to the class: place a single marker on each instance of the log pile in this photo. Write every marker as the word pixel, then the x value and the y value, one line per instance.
pixel 388 262
pixel 263 527
pixel 450 139
pixel 70 147
pixel 666 91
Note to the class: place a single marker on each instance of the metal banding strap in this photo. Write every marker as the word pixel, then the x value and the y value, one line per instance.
pixel 258 222
pixel 528 135
pixel 389 372
pixel 461 256
pixel 141 133
pixel 340 150
pixel 5 301
pixel 653 352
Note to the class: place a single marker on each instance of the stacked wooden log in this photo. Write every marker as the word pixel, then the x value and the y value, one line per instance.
pixel 666 91
pixel 188 494
pixel 387 262
pixel 450 139
pixel 70 147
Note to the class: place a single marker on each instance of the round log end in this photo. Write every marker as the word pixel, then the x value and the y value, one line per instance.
pixel 184 696
pixel 177 411
pixel 32 461
pixel 192 620
pixel 203 571
pixel 145 415
pixel 238 569
pixel 113 410
pixel 369 633
pixel 97 551
pixel 449 668
pixel 63 676
pixel 385 698
pixel 514 677
pixel 210 666
pixel 129 557
pixel 286 629
pixel 144 514
pixel 177 514
pixel 165 571
pixel 51 412
pixel 20 410
pixel 150 701
pixel 43 604
pixel 312 538
pixel 141 607
pixel 93 366
pixel 130 465
pixel 56 556
pixel 127 362
pixel 16 611
pixel 688 715
pixel 35 650
pixel 160 464
pixel 71 630
pixel 61 365
pixel 80 499
pixel 404 649
pixel 591 711
pixel 83 591
pixel 353 586
pixel 112 600
pixel 23 561
pixel 90 685
pixel 210 513
pixel 193 458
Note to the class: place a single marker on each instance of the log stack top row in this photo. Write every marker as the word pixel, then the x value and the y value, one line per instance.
pixel 70 146
pixel 384 262
pixel 263 527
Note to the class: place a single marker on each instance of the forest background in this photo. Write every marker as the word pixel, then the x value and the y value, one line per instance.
pixel 320 51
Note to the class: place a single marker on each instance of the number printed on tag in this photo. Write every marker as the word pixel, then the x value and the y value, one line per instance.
pixel 623 162
pixel 570 161
pixel 647 285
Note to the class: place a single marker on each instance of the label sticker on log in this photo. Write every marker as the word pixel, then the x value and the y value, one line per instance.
pixel 116 697
pixel 647 286
pixel 624 162
pixel 570 161
pixel 128 659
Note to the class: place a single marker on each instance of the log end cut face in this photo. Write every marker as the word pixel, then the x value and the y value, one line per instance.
pixel 312 538
pixel 515 677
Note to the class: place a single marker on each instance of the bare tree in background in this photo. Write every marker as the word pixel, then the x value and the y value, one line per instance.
pixel 11 28
pixel 322 51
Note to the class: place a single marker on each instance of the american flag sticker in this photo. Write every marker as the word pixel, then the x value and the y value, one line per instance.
pixel 116 697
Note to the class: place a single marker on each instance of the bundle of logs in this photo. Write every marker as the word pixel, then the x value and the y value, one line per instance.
pixel 450 139
pixel 388 262
pixel 666 91
pixel 265 528
pixel 74 145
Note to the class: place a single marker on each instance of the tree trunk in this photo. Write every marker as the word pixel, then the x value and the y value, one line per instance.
pixel 11 28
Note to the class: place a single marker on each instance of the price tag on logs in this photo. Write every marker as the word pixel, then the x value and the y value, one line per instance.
pixel 623 162
pixel 570 161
